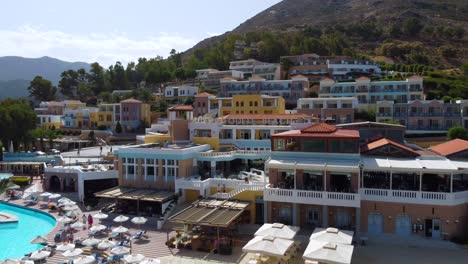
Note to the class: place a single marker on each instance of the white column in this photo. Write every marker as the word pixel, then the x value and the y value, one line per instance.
pixel 420 181
pixel 391 177
pixel 295 171
pixel 252 133
pixel 325 179
pixel 451 182
pixel 234 134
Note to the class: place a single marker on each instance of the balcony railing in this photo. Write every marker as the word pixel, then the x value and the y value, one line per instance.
pixel 416 197
pixel 311 197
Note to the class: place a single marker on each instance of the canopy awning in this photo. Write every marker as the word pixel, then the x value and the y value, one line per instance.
pixel 210 213
pixel 135 194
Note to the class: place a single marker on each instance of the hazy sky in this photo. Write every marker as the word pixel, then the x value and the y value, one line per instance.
pixel 111 30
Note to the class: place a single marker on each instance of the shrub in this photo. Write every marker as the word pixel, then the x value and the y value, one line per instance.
pixel 457 132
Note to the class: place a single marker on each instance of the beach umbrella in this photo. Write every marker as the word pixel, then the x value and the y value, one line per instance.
pixel 151 261
pixel 72 253
pixel 100 216
pixel 39 255
pixel 71 214
pixel 28 262
pixel 12 186
pixel 55 196
pixel 120 229
pixel 63 199
pixel 326 252
pixel 70 208
pixel 78 225
pixel 67 203
pixel 97 228
pixel 65 247
pixel 121 218
pixel 64 220
pixel 332 235
pixel 84 260
pixel 277 230
pixel 120 250
pixel 45 194
pixel 106 244
pixel 134 258
pixel 11 261
pixel 39 240
pixel 89 242
pixel 139 220
pixel 268 246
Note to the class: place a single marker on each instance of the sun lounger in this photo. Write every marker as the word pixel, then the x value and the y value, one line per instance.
pixel 138 235
pixel 33 200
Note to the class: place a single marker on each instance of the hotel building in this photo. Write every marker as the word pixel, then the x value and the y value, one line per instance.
pixel 210 78
pixel 336 110
pixel 251 67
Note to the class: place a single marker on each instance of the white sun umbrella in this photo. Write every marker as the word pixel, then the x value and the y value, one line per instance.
pixel 97 228
pixel 89 242
pixel 72 253
pixel 106 244
pixel 268 246
pixel 78 225
pixel 11 261
pixel 151 261
pixel 100 216
pixel 71 208
pixel 45 194
pixel 71 214
pixel 38 240
pixel 64 220
pixel 67 203
pixel 64 199
pixel 84 260
pixel 121 219
pixel 134 258
pixel 139 220
pixel 277 230
pixel 326 252
pixel 55 196
pixel 39 255
pixel 120 250
pixel 120 229
pixel 332 235
pixel 65 247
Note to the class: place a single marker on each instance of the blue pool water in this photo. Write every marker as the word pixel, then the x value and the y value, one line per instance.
pixel 15 237
pixel 5 175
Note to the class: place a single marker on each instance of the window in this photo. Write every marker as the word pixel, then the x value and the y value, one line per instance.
pixel 151 169
pixel 313 146
pixel 342 146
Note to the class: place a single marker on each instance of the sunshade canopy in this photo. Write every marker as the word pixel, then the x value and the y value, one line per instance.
pixel 330 253
pixel 277 230
pixel 332 235
pixel 136 194
pixel 268 246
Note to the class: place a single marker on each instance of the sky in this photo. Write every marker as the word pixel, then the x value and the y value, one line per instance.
pixel 107 31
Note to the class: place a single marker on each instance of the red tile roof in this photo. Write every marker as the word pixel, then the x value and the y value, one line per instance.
pixel 385 141
pixel 450 147
pixel 266 116
pixel 131 100
pixel 181 108
pixel 326 79
pixel 363 78
pixel 321 130
pixel 204 94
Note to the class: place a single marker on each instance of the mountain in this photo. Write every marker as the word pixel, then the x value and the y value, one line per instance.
pixel 434 26
pixel 16 73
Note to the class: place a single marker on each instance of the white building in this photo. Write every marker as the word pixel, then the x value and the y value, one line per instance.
pixel 268 71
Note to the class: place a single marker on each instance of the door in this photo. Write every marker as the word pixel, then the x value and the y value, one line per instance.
pixel 259 211
pixel 343 220
pixel 374 224
pixel 436 228
pixel 313 217
pixel 403 225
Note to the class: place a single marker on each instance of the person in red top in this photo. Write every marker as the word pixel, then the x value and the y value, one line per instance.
pixel 90 221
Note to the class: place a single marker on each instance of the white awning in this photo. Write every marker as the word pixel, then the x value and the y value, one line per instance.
pixel 437 164
pixel 343 165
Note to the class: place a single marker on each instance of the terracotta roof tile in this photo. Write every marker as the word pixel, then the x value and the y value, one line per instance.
pixel 131 100
pixel 266 116
pixel 181 108
pixel 450 147
pixel 363 78
pixel 204 94
pixel 385 141
pixel 321 130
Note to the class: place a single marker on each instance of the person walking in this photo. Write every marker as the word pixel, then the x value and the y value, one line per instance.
pixel 84 219
pixel 90 221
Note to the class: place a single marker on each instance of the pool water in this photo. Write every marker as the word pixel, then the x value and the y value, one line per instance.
pixel 15 237
pixel 5 175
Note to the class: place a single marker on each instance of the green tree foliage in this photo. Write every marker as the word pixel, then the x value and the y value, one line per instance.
pixel 42 89
pixel 18 120
pixel 457 132
pixel 411 26
pixel 39 133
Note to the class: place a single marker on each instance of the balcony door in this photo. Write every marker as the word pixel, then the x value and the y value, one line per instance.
pixel 343 220
pixel 313 217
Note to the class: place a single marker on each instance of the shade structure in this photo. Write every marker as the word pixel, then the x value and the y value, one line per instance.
pixel 268 246
pixel 277 230
pixel 12 186
pixel 120 250
pixel 139 220
pixel 78 225
pixel 326 252
pixel 65 247
pixel 121 219
pixel 100 215
pixel 71 208
pixel 134 258
pixel 120 229
pixel 72 253
pixel 71 214
pixel 45 194
pixel 84 260
pixel 38 240
pixel 63 200
pixel 55 196
pixel 67 203
pixel 332 235
pixel 89 242
pixel 106 244
pixel 11 261
pixel 97 228
pixel 151 261
pixel 64 220
pixel 38 255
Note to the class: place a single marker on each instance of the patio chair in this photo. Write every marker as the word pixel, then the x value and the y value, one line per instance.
pixel 138 235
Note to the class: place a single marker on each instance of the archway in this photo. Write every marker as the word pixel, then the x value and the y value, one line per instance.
pixel 54 184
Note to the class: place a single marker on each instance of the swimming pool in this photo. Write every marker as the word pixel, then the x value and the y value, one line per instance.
pixel 15 237
pixel 4 175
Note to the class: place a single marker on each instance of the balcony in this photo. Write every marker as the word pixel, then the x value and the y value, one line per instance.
pixel 415 197
pixel 311 197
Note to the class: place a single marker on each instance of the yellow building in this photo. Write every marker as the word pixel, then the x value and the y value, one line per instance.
pixel 248 104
